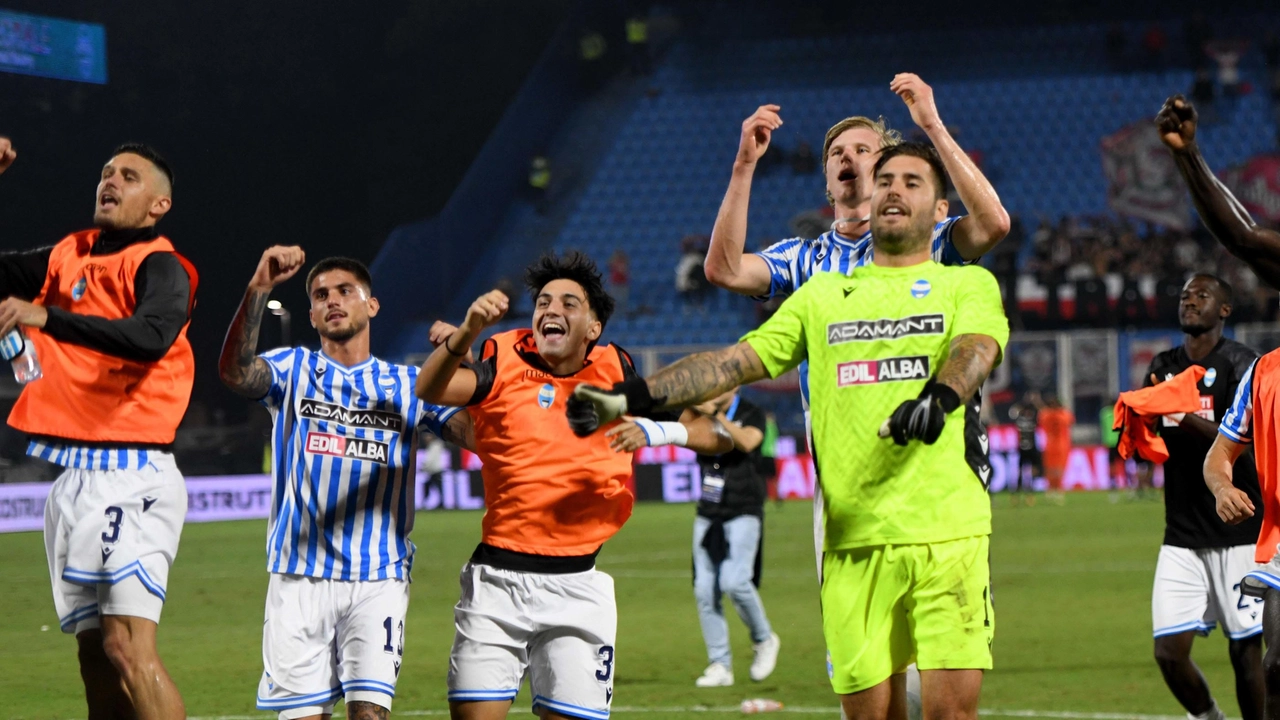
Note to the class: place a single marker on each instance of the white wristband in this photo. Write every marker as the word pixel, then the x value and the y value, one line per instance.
pixel 657 434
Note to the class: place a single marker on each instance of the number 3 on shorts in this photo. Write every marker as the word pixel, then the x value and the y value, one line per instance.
pixel 605 653
pixel 112 533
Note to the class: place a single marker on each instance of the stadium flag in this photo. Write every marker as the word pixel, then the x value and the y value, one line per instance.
pixel 1142 180
pixel 1256 184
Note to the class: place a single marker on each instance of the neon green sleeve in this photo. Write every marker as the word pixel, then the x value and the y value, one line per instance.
pixel 780 341
pixel 979 308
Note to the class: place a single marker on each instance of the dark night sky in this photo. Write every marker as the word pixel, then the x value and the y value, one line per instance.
pixel 322 124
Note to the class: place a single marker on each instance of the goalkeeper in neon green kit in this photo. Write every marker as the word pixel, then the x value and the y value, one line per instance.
pixel 897 352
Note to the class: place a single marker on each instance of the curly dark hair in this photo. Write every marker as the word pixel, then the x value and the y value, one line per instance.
pixel 574 266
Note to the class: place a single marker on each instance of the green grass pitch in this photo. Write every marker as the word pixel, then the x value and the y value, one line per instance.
pixel 1072 592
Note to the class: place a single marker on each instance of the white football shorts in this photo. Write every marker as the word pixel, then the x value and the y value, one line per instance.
pixel 1197 589
pixel 557 629
pixel 110 537
pixel 328 639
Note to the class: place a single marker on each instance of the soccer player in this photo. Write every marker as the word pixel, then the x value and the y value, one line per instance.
pixel 1202 560
pixel 727 536
pixel 343 446
pixel 849 153
pixel 1258 247
pixel 905 566
pixel 107 311
pixel 1056 421
pixel 532 601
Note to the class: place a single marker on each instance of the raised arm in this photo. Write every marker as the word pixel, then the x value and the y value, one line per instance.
pixel 1233 504
pixel 239 365
pixel 727 264
pixel 1219 210
pixel 442 380
pixel 987 223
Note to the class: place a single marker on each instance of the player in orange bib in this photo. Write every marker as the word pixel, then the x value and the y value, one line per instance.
pixel 107 311
pixel 532 601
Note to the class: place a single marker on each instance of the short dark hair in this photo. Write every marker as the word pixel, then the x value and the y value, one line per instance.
pixel 574 266
pixel 146 151
pixel 351 265
pixel 925 153
pixel 1226 293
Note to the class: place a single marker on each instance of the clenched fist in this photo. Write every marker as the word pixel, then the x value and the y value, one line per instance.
pixel 278 263
pixel 1176 122
pixel 7 154
pixel 918 96
pixel 485 311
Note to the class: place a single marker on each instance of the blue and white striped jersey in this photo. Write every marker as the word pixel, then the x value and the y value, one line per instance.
pixel 792 262
pixel 343 450
pixel 1237 424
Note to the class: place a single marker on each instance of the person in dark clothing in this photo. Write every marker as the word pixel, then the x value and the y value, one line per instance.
pixel 727 541
pixel 1202 559
pixel 1025 416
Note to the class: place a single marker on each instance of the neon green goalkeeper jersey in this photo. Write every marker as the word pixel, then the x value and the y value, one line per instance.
pixel 872 340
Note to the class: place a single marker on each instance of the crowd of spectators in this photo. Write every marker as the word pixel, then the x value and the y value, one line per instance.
pixel 1147 264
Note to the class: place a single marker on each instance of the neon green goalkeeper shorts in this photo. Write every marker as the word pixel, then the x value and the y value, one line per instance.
pixel 886 606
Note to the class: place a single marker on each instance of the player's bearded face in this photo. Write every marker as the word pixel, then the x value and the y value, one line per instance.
pixel 340 305
pixel 563 324
pixel 904 206
pixel 127 193
pixel 848 165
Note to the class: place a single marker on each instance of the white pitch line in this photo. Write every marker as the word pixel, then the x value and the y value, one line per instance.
pixel 829 710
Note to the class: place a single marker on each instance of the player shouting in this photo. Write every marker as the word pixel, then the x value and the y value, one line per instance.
pixel 107 311
pixel 905 569
pixel 532 601
pixel 343 445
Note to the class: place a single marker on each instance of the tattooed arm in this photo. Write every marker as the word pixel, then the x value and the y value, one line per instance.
pixel 971 360
pixel 706 375
pixel 239 365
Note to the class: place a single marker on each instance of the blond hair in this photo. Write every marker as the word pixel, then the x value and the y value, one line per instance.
pixel 888 138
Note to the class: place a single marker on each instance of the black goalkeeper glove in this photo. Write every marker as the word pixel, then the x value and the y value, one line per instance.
pixel 590 407
pixel 922 418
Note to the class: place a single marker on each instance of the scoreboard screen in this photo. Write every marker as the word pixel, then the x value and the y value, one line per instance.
pixel 53 48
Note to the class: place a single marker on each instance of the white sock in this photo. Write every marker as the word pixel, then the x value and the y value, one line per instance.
pixel 1213 713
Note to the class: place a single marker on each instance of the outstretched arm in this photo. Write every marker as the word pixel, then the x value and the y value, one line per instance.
pixel 987 223
pixel 239 365
pixel 1233 505
pixel 703 434
pixel 1221 213
pixel 705 375
pixel 727 265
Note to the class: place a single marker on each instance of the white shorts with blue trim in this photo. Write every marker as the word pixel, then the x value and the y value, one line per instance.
pixel 328 639
pixel 558 630
pixel 1195 590
pixel 110 537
